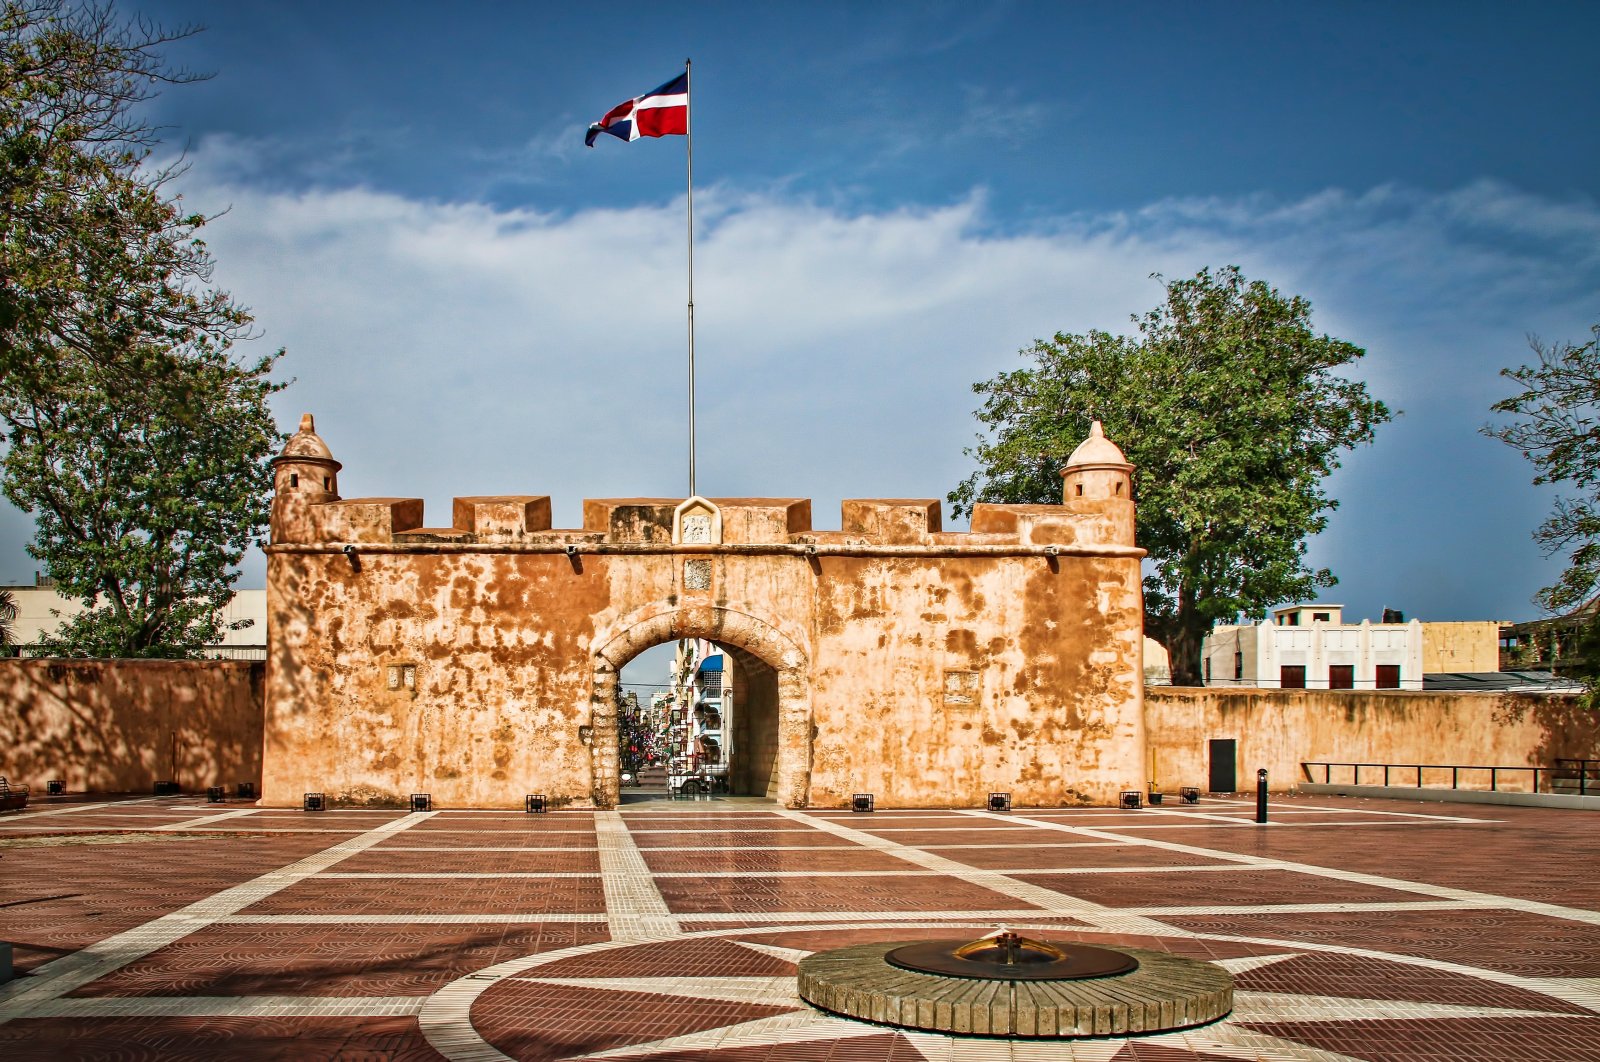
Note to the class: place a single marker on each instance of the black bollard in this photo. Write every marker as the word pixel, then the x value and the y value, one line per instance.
pixel 1261 795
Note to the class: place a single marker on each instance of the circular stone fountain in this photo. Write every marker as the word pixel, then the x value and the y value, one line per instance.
pixel 1006 984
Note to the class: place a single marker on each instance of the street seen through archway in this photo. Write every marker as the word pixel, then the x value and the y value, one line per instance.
pixel 695 719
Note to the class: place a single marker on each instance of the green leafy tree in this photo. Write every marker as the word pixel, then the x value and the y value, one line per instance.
pixel 94 255
pixel 1233 411
pixel 134 435
pixel 146 497
pixel 8 620
pixel 1556 425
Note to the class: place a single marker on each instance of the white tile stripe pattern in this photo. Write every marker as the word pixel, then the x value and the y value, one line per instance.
pixel 635 908
pixel 480 848
pixel 347 831
pixel 61 976
pixel 231 1006
pixel 640 913
pixel 757 872
pixel 407 919
pixel 19 822
pixel 1048 900
pixel 1442 892
pixel 445 1017
pixel 843 918
pixel 1576 991
pixel 204 820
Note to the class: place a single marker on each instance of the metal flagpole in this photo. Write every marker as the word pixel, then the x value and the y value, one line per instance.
pixel 689 131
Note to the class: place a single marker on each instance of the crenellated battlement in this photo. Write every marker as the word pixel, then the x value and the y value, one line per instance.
pixel 479 661
pixel 1096 511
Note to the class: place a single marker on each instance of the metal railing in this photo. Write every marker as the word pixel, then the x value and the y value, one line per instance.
pixel 1585 773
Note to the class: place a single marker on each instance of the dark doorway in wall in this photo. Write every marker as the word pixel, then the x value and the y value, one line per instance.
pixel 1341 676
pixel 1224 765
pixel 1292 677
pixel 1388 676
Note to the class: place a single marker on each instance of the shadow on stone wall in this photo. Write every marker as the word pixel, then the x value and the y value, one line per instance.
pixel 119 726
pixel 1282 729
pixel 1569 729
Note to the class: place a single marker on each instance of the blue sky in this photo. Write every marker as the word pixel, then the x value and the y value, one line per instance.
pixel 891 200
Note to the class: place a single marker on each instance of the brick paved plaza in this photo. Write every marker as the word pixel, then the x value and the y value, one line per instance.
pixel 1355 929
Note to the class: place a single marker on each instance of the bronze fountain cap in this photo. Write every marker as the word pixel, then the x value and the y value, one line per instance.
pixel 1005 955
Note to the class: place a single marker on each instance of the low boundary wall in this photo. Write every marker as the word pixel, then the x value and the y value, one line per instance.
pixel 1280 729
pixel 118 726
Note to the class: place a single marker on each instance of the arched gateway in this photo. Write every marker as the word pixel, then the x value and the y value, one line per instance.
pixel 781 705
pixel 478 662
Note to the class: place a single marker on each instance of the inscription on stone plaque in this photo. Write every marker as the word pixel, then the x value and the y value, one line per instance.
pixel 696 573
pixel 697 528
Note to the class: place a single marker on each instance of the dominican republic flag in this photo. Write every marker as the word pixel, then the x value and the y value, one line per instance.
pixel 660 112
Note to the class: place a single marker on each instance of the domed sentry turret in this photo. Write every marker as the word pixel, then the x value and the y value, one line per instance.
pixel 306 465
pixel 1098 478
pixel 304 477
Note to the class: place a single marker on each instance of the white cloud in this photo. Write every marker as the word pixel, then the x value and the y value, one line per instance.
pixel 459 349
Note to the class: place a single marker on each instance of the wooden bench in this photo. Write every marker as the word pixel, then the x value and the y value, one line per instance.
pixel 12 797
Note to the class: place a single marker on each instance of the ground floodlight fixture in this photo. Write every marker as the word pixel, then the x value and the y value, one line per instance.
pixel 535 804
pixel 999 801
pixel 215 794
pixel 1131 799
pixel 247 790
pixel 1189 794
pixel 861 802
pixel 167 788
pixel 421 802
pixel 314 802
pixel 55 787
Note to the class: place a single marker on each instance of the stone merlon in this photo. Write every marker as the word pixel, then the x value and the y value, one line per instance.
pixel 1096 515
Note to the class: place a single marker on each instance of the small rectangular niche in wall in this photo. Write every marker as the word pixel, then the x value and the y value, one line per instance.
pixel 402 677
pixel 962 690
pixel 697 575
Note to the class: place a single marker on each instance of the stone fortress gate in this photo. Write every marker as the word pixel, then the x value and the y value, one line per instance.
pixel 479 662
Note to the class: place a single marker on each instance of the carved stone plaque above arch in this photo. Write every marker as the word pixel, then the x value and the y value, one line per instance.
pixel 697 522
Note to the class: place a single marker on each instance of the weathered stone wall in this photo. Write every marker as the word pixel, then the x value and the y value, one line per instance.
pixel 118 726
pixel 1280 729
pixel 755 721
pixel 943 680
pixel 479 662
pixel 920 677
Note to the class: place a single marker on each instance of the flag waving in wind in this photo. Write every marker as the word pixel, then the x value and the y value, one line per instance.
pixel 660 112
pixel 663 112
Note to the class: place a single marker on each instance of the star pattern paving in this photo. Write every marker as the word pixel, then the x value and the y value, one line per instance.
pixel 1355 930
